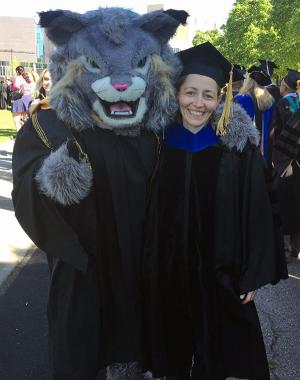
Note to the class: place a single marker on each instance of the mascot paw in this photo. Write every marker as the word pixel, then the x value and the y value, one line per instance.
pixel 63 178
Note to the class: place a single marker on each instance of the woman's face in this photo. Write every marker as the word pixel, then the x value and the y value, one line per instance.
pixel 47 82
pixel 198 98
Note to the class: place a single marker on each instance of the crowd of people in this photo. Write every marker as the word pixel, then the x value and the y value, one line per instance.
pixel 158 186
pixel 22 92
pixel 271 107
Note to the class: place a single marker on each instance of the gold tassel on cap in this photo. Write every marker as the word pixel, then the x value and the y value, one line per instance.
pixel 226 114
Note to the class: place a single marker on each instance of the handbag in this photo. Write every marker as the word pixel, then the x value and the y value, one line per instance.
pixel 16 95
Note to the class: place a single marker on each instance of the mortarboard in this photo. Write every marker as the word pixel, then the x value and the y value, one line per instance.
pixel 291 78
pixel 239 72
pixel 206 60
pixel 268 66
pixel 259 75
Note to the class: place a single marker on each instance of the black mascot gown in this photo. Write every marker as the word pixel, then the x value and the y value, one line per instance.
pixel 93 247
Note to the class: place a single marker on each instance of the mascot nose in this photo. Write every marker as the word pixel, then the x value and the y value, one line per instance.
pixel 120 86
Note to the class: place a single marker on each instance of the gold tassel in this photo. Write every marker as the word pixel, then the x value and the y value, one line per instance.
pixel 226 114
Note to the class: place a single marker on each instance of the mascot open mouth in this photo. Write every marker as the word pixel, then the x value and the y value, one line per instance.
pixel 120 109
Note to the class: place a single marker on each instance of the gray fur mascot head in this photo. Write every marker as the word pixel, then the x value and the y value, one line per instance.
pixel 114 66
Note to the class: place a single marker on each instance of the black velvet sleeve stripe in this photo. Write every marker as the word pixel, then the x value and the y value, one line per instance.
pixel 291 131
pixel 287 140
pixel 285 151
pixel 293 150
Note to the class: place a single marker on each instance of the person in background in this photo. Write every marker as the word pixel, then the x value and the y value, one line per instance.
pixel 289 102
pixel 268 67
pixel 211 236
pixel 8 84
pixel 42 90
pixel 25 84
pixel 238 83
pixel 286 159
pixel 3 95
pixel 43 85
pixel 259 104
pixel 17 106
pixel 298 88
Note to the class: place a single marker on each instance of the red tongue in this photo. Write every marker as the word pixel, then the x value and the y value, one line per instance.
pixel 120 107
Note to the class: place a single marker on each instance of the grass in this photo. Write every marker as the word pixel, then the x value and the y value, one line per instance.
pixel 7 126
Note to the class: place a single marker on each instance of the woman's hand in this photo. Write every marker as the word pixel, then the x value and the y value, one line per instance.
pixel 248 297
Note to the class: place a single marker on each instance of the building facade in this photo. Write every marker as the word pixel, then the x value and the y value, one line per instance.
pixel 185 34
pixel 19 37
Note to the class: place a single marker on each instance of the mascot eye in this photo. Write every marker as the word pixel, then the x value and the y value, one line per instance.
pixel 92 63
pixel 142 62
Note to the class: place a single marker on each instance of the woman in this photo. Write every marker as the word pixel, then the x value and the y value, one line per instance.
pixel 43 85
pixel 41 92
pixel 259 104
pixel 211 240
pixel 25 84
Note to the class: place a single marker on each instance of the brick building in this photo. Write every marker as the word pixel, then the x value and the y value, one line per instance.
pixel 18 44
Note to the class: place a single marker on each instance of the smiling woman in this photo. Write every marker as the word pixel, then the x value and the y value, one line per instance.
pixel 211 238
pixel 198 98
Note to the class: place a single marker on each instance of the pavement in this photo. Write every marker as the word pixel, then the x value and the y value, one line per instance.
pixel 14 243
pixel 24 279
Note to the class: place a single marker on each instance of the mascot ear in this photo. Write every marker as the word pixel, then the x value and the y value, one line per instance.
pixel 162 24
pixel 59 25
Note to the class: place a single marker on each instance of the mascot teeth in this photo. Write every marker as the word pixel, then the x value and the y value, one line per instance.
pixel 120 109
pixel 123 109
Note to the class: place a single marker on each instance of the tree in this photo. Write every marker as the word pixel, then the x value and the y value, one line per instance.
pixel 212 36
pixel 285 18
pixel 245 30
pixel 259 29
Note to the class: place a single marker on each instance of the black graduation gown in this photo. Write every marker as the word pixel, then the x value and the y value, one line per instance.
pixel 274 90
pixel 94 247
pixel 289 184
pixel 211 236
pixel 286 158
pixel 280 117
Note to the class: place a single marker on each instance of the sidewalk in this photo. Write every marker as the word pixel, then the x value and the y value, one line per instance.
pixel 14 243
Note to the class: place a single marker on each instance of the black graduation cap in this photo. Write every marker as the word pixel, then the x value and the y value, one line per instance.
pixel 291 78
pixel 206 60
pixel 268 66
pixel 239 72
pixel 259 75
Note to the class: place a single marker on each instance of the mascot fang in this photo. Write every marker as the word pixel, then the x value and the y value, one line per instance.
pixel 82 170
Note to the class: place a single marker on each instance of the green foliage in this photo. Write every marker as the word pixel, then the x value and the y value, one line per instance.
pixel 259 29
pixel 285 17
pixel 212 36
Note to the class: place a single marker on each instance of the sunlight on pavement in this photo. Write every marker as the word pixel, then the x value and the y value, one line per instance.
pixel 14 241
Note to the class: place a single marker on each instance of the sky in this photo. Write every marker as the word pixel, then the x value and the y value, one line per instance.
pixel 209 13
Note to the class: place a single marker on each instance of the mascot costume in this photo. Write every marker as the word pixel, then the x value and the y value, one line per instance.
pixel 82 168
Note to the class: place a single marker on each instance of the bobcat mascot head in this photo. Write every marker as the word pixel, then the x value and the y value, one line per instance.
pixel 114 66
pixel 111 68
